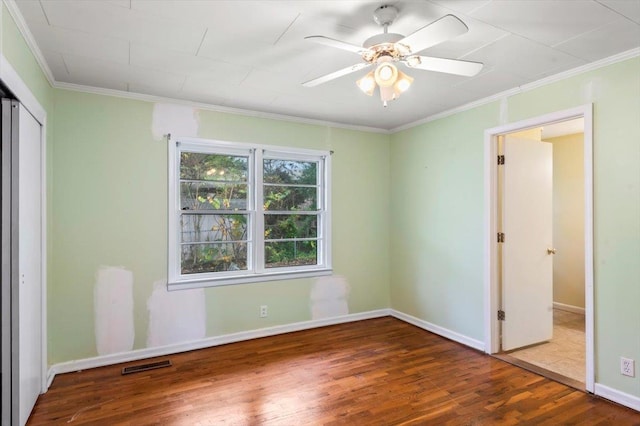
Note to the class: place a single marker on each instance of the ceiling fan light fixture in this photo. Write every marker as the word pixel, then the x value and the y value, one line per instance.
pixel 389 79
pixel 367 83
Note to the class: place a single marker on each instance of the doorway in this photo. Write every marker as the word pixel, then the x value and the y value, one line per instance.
pixel 528 317
pixel 556 344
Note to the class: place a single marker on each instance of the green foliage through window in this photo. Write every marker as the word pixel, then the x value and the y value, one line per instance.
pixel 289 187
pixel 213 182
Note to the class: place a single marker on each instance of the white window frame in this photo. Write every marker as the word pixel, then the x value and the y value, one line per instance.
pixel 256 271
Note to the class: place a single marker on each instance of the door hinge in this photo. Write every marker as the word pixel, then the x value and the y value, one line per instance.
pixel 500 160
pixel 501 237
pixel 501 315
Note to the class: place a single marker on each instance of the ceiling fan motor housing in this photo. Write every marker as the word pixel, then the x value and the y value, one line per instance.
pixel 389 38
pixel 383 45
pixel 385 15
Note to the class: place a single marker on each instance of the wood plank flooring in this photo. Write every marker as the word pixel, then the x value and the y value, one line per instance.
pixel 375 372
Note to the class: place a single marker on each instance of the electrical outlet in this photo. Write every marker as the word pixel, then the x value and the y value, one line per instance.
pixel 264 311
pixel 627 367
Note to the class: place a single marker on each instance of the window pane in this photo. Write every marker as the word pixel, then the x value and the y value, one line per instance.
pixel 290 198
pixel 212 196
pixel 201 258
pixel 204 228
pixel 287 171
pixel 213 167
pixel 279 226
pixel 290 253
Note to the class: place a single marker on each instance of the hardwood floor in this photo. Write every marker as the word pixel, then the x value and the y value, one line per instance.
pixel 375 372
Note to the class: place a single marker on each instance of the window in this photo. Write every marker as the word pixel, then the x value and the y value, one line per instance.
pixel 245 213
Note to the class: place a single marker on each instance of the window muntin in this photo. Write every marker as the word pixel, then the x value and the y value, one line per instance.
pixel 246 213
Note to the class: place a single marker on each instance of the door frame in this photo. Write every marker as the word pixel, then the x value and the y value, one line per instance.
pixel 491 285
pixel 23 93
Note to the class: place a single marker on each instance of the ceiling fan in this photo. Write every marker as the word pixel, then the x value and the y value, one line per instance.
pixel 386 49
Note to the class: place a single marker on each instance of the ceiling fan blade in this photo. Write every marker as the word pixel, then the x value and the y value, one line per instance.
pixel 449 66
pixel 436 32
pixel 336 74
pixel 336 43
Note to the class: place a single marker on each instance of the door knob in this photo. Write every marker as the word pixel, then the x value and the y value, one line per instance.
pixel 551 251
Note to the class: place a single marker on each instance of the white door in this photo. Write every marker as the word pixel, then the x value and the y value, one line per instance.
pixel 527 267
pixel 30 262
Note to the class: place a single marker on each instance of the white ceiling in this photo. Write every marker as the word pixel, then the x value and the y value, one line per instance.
pixel 252 54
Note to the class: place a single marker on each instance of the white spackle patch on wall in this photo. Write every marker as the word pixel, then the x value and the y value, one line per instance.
pixel 591 90
pixel 329 138
pixel 179 120
pixel 329 297
pixel 504 111
pixel 175 317
pixel 113 309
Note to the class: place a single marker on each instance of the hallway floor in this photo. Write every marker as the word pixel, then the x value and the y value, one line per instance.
pixel 565 353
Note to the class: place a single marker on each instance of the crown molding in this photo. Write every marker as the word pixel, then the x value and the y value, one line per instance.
pixel 213 107
pixel 15 13
pixel 629 54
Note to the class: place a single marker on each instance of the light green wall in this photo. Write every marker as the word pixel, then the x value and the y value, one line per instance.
pixel 110 208
pixel 437 227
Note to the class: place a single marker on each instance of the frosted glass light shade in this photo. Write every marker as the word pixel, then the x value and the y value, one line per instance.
pixel 386 74
pixel 402 83
pixel 367 84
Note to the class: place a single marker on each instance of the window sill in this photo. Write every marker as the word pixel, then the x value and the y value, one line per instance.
pixel 186 284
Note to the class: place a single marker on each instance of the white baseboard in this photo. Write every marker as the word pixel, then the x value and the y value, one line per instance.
pixel 620 397
pixel 441 331
pixel 568 308
pixel 139 354
pixel 51 374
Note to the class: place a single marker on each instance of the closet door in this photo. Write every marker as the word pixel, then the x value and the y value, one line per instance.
pixel 22 255
pixel 29 260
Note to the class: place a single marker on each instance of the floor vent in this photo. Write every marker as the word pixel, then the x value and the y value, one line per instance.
pixel 145 367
